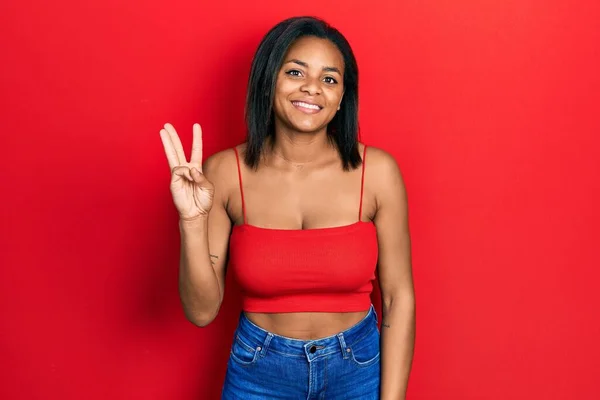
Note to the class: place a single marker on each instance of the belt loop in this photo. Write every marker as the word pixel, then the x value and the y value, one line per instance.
pixel 266 343
pixel 345 352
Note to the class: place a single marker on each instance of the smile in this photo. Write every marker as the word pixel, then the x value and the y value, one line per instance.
pixel 306 107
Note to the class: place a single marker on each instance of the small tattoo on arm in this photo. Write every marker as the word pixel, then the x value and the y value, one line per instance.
pixel 384 325
pixel 212 256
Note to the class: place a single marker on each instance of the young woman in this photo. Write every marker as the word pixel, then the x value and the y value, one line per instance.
pixel 304 215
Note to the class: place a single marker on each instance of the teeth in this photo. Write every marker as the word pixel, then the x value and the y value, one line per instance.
pixel 306 105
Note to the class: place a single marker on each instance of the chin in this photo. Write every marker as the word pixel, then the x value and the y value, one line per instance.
pixel 309 125
pixel 303 124
pixel 309 128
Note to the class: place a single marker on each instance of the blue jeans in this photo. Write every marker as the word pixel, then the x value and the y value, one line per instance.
pixel 263 365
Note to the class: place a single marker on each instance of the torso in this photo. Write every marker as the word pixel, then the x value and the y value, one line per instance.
pixel 282 196
pixel 306 326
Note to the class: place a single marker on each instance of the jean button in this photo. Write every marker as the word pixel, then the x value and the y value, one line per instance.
pixel 313 349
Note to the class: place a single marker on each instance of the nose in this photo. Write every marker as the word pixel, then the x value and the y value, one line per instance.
pixel 311 86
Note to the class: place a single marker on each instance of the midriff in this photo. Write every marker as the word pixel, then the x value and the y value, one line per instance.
pixel 306 325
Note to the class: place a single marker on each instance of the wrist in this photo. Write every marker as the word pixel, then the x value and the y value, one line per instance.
pixel 193 223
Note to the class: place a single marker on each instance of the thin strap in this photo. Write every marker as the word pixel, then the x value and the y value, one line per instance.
pixel 237 157
pixel 362 183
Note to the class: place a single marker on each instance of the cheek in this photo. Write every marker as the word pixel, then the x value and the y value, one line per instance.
pixel 282 93
pixel 285 86
pixel 279 105
pixel 337 97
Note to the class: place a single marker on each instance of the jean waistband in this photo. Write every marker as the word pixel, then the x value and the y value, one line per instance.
pixel 264 340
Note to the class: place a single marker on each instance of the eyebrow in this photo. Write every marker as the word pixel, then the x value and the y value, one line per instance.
pixel 305 65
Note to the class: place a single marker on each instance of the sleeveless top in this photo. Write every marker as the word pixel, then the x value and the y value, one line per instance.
pixel 307 270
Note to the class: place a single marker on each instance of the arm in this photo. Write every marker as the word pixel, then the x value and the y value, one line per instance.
pixel 203 261
pixel 395 275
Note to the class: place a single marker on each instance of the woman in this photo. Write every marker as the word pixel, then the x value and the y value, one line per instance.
pixel 305 215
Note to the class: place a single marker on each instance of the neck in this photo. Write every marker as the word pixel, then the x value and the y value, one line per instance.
pixel 300 148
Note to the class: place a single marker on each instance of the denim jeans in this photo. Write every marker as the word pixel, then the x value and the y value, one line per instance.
pixel 263 365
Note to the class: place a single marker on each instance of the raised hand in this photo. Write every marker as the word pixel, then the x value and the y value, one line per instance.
pixel 192 193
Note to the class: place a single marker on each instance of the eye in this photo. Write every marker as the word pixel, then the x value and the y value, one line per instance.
pixel 294 72
pixel 329 79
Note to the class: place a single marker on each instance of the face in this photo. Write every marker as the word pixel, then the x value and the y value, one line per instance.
pixel 309 85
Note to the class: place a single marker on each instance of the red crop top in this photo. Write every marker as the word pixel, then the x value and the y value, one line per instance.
pixel 320 270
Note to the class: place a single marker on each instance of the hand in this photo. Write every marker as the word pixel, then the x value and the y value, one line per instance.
pixel 192 193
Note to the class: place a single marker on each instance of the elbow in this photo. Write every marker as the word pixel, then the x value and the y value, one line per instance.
pixel 201 320
pixel 403 299
pixel 200 323
pixel 199 313
pixel 200 316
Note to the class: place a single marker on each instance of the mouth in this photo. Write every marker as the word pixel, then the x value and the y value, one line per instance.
pixel 305 107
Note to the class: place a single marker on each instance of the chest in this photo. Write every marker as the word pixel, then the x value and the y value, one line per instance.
pixel 312 260
pixel 301 199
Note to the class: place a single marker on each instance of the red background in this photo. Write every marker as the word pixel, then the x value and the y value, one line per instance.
pixel 490 108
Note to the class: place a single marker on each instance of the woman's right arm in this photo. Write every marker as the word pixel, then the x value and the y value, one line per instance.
pixel 202 215
pixel 203 261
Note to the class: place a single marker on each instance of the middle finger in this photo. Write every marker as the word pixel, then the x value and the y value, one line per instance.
pixel 176 143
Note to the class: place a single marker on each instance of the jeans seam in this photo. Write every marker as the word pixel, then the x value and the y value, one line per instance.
pixel 244 344
pixel 361 337
pixel 324 377
pixel 366 363
pixel 243 363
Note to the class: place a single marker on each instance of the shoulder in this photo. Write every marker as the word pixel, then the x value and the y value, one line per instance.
pixel 221 168
pixel 224 160
pixel 379 162
pixel 382 173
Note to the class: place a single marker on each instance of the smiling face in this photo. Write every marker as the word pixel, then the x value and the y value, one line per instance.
pixel 309 85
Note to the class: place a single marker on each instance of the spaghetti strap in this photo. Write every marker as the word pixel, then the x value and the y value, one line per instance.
pixel 362 183
pixel 237 158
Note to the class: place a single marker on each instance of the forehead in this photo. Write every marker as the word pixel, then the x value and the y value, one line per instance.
pixel 316 52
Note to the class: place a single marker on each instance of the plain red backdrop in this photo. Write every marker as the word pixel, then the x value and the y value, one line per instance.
pixel 490 108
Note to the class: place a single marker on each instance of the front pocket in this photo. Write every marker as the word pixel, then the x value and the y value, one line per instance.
pixel 366 351
pixel 243 353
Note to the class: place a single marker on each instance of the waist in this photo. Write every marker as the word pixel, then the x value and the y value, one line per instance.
pixel 255 335
pixel 306 325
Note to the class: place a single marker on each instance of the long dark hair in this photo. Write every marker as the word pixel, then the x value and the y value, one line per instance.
pixel 342 131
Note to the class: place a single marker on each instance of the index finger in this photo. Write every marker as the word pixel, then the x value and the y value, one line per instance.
pixel 197 146
pixel 170 151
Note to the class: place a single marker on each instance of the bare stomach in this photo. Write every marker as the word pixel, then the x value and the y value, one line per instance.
pixel 306 325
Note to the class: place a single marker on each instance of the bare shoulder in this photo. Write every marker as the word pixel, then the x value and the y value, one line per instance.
pixel 384 178
pixel 221 169
pixel 382 167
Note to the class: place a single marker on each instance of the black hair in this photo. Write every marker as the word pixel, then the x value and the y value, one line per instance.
pixel 342 130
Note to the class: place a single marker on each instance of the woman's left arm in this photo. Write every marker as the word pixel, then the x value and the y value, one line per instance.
pixel 394 274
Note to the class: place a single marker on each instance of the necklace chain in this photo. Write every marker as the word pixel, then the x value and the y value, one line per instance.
pixel 293 163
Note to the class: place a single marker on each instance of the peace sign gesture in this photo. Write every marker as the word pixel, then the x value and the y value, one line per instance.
pixel 192 193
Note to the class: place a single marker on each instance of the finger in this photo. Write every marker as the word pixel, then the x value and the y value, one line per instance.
pixel 197 175
pixel 200 180
pixel 197 146
pixel 183 172
pixel 169 149
pixel 176 143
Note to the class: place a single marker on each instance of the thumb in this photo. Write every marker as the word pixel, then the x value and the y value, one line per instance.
pixel 196 175
pixel 183 172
